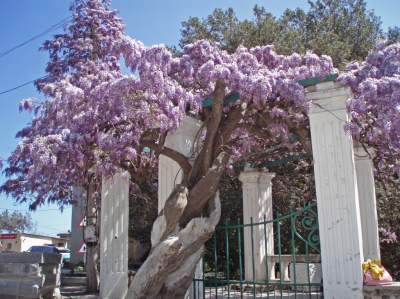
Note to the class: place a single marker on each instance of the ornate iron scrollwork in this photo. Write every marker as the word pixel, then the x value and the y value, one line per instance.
pixel 308 218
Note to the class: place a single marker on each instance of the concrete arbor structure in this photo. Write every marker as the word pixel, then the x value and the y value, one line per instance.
pixel 337 193
pixel 345 195
pixel 257 204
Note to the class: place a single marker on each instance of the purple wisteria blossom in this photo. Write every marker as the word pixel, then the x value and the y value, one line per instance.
pixel 375 107
pixel 95 118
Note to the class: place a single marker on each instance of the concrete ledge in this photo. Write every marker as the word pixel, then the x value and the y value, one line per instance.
pixel 19 268
pixel 27 287
pixel 391 291
pixel 300 258
pixel 30 257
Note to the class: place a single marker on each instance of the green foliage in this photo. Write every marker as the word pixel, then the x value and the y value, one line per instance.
pixel 388 194
pixel 79 268
pixel 393 35
pixel 343 29
pixel 15 222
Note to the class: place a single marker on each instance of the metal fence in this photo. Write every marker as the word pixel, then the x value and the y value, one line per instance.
pixel 288 268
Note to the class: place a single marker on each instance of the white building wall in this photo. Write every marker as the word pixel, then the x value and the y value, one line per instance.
pixel 22 242
pixel 29 241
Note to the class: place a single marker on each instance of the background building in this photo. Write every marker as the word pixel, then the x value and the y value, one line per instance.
pixel 20 242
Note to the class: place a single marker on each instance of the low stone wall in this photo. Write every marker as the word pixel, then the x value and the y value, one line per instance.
pixel 30 275
pixel 391 291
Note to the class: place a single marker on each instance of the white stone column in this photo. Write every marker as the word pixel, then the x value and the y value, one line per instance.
pixel 337 193
pixel 257 203
pixel 170 174
pixel 114 236
pixel 367 197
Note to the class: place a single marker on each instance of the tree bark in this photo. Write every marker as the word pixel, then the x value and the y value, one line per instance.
pixel 169 268
pixel 92 272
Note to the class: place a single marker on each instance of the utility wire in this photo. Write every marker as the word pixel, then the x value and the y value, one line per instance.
pixel 38 210
pixel 21 85
pixel 4 53
pixel 51 28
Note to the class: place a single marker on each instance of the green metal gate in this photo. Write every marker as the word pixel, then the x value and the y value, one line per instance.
pixel 293 271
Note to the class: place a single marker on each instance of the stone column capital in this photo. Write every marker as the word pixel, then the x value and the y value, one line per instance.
pixel 260 176
pixel 328 96
pixel 183 139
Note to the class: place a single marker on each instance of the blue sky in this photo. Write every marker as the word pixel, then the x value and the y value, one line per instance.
pixel 150 21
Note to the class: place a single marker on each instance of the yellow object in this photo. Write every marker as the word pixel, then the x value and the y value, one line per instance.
pixel 375 267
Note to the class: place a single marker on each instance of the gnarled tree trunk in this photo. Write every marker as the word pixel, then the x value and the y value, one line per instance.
pixel 191 212
pixel 169 268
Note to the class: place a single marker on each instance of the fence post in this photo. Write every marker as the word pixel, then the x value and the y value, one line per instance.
pixel 337 193
pixel 257 205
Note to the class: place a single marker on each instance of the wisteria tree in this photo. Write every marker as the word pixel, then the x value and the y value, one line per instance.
pixel 96 120
pixel 58 148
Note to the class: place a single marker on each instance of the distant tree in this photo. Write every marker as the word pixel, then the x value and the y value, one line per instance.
pixel 393 35
pixel 343 29
pixel 15 222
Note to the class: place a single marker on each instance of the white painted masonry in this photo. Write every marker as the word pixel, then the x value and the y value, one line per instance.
pixel 337 193
pixel 368 212
pixel 257 203
pixel 77 217
pixel 170 174
pixel 114 236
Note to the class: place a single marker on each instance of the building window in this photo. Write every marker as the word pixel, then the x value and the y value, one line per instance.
pixel 9 246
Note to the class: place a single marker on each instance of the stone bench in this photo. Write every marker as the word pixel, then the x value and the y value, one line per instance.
pixel 300 272
pixel 29 275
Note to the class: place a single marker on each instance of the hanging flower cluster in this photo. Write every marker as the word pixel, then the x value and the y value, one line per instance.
pixel 375 107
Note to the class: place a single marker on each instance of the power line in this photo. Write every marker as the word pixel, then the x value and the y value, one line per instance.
pixel 51 28
pixel 21 85
pixel 4 53
pixel 39 210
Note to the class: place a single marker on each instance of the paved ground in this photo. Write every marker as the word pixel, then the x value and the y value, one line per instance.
pixel 75 292
pixel 222 293
pixel 74 287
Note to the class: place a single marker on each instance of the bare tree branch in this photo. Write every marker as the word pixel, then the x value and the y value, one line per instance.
pixel 172 154
pixel 229 125
pixel 206 155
